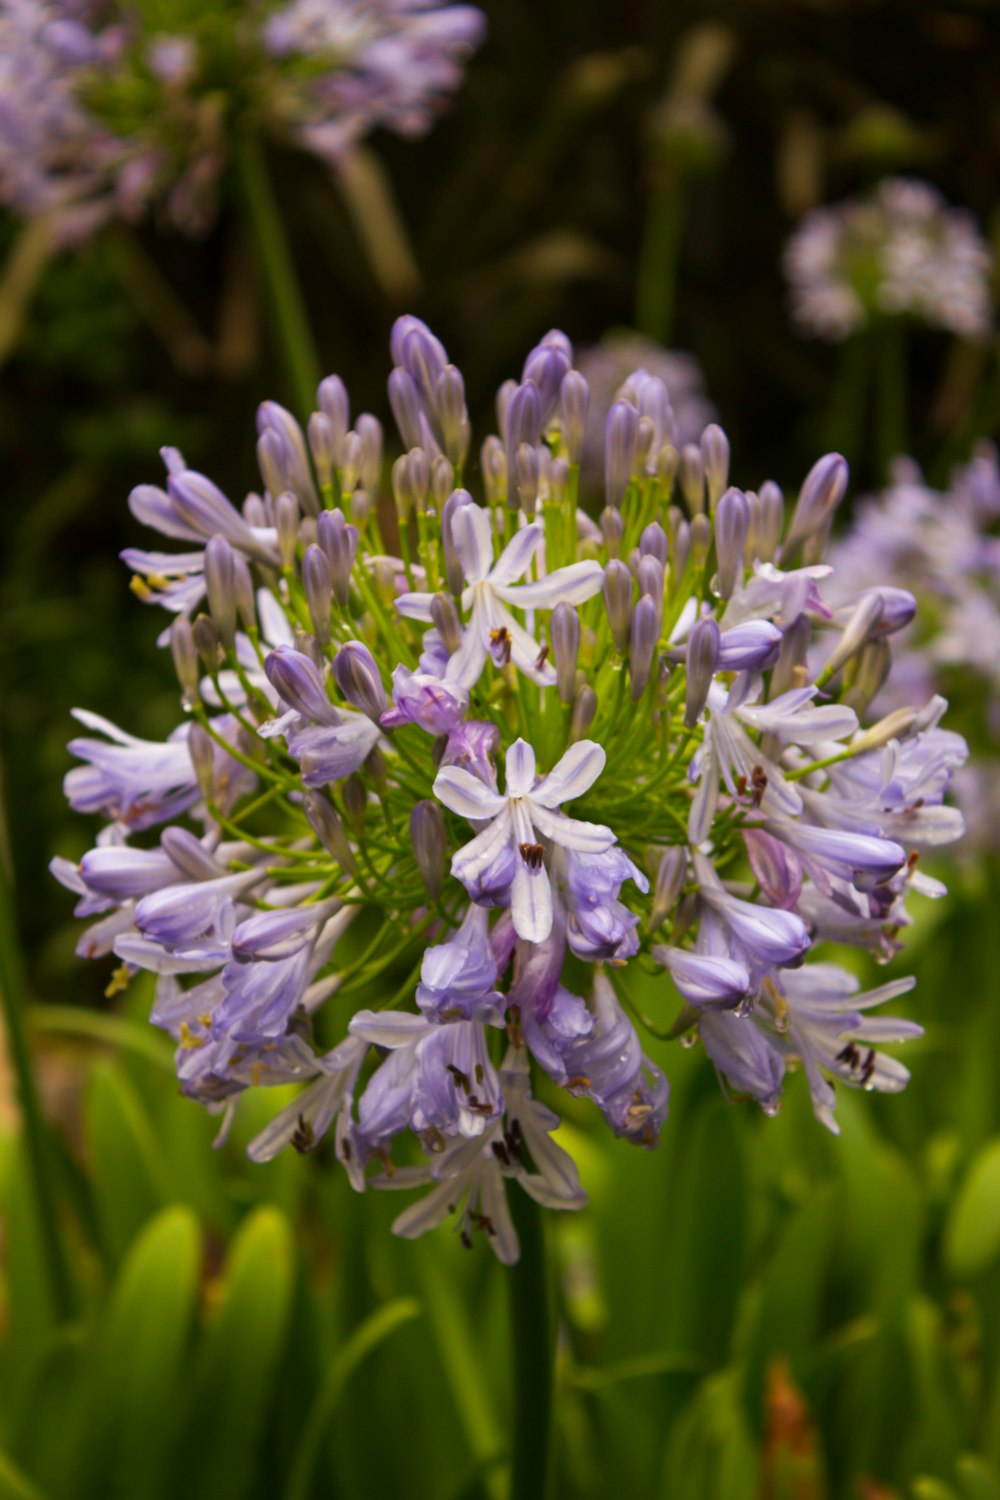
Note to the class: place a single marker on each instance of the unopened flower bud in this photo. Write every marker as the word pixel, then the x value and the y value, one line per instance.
pixel 564 635
pixel 430 845
pixel 323 447
pixel 454 571
pixel 335 406
pixel 574 397
pixel 670 877
pixel 680 543
pixel 894 726
pixel 206 640
pixel 526 469
pixel 493 463
pixel 202 751
pixel 667 462
pixel 691 473
pixel 339 541
pixel 769 520
pixel 220 588
pixel 644 634
pixel 298 680
pixel 617 591
pixel 645 437
pixel 351 460
pixel 701 539
pixel 325 823
pixel 319 591
pixel 653 542
pixel 453 418
pixel 584 711
pixel 620 434
pixel 822 491
pixel 702 659
pixel 286 517
pixel 732 517
pixel 185 655
pixel 442 479
pixel 355 803
pixel 862 624
pixel 789 669
pixel 715 459
pixel 651 579
pixel 522 418
pixel 370 433
pixel 445 619
pixel 613 528
pixel 271 462
pixel 872 667
pixel 359 680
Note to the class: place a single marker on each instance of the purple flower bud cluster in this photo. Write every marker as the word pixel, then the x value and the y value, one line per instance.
pixel 462 792
pixel 75 145
pixel 898 251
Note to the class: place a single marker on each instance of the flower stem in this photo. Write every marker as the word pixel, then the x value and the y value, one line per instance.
pixel 36 1140
pixel 532 1348
pixel 291 325
pixel 657 278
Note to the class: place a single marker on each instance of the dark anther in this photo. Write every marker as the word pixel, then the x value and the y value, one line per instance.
pixel 501 1153
pixel 460 1078
pixel 303 1137
pixel 501 643
pixel 758 782
pixel 532 854
pixel 541 658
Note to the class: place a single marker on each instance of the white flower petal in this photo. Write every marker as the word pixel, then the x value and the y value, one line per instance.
pixel 415 606
pixel 515 557
pixel 572 833
pixel 470 530
pixel 520 764
pixel 390 1028
pixel 570 585
pixel 469 862
pixel 466 795
pixel 531 903
pixel 571 776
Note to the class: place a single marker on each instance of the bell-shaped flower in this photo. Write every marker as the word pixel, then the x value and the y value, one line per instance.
pixel 818 1014
pixel 525 809
pixel 491 587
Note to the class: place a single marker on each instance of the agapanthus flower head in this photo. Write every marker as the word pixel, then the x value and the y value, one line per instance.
pixel 531 757
pixel 665 384
pixel 943 547
pixel 899 251
pixel 105 113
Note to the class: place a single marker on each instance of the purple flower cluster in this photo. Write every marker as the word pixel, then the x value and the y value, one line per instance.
pixel 463 791
pixel 944 547
pixel 102 114
pixel 898 251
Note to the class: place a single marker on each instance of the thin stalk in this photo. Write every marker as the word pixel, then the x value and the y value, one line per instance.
pixel 35 1130
pixel 657 278
pixel 291 325
pixel 532 1350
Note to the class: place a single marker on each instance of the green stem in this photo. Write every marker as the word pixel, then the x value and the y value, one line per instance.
pixel 35 1131
pixel 291 325
pixel 657 275
pixel 532 1348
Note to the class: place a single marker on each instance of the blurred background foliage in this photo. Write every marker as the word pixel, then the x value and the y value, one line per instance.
pixel 760 1311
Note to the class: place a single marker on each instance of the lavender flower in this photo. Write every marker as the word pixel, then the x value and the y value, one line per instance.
pixel 703 709
pixel 75 145
pixel 898 251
